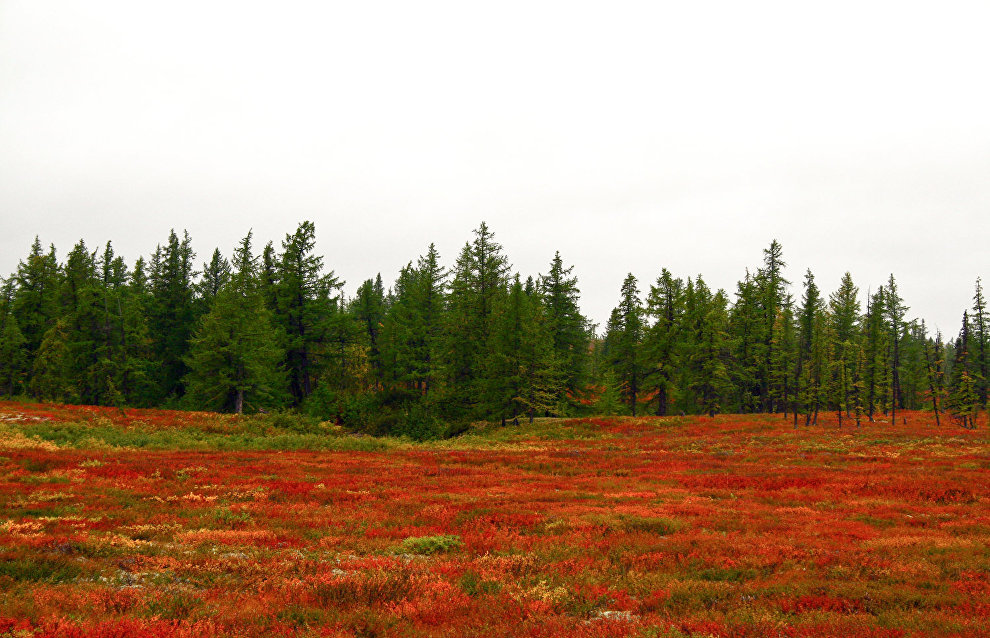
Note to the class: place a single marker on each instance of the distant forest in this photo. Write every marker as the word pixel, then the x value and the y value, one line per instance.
pixel 441 348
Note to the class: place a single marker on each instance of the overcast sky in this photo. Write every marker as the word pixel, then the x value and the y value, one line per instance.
pixel 628 136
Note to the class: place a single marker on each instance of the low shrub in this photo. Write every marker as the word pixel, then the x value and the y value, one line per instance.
pixel 431 544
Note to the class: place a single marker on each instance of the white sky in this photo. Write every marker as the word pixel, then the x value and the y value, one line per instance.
pixel 629 136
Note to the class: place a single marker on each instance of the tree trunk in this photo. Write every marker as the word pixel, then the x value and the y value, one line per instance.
pixel 239 402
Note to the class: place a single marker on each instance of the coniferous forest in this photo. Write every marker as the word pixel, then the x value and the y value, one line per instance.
pixel 270 329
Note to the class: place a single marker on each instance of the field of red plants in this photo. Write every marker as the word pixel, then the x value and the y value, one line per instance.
pixel 733 526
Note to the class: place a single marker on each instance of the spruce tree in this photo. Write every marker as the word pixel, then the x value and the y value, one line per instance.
pixel 51 374
pixel 234 359
pixel 35 302
pixel 747 325
pixel 215 275
pixel 626 342
pixel 896 311
pixel 413 328
pixel 665 306
pixel 172 313
pixel 309 312
pixel 478 286
pixel 711 376
pixel 807 369
pixel 13 357
pixel 567 326
pixel 934 368
pixel 369 308
pixel 981 346
pixel 963 398
pixel 786 351
pixel 876 338
pixel 772 286
pixel 844 319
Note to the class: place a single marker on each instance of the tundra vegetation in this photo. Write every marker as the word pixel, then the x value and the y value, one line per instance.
pixel 128 522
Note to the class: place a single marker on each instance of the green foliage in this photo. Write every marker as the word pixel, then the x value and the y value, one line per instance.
pixel 235 359
pixel 39 569
pixel 171 310
pixel 438 351
pixel 307 307
pixel 13 358
pixel 624 342
pixel 430 544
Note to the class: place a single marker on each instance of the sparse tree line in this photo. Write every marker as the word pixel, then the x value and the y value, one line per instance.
pixel 272 329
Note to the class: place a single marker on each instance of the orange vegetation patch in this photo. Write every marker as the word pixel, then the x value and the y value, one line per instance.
pixel 733 526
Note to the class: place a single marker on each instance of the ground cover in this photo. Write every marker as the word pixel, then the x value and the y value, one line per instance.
pixel 154 523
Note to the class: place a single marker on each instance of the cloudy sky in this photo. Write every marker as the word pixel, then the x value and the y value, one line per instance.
pixel 629 136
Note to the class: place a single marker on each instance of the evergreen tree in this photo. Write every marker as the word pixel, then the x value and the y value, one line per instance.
pixel 934 368
pixel 875 352
pixel 896 311
pixel 665 305
pixel 708 361
pixel 215 276
pixel 234 360
pixel 86 358
pixel 35 302
pixel 980 338
pixel 963 398
pixel 747 327
pixel 567 326
pixel 857 384
pixel 308 309
pixel 172 313
pixel 626 341
pixel 137 375
pixel 844 314
pixel 807 369
pixel 51 375
pixel 414 325
pixel 609 400
pixel 430 304
pixel 772 285
pixel 479 284
pixel 369 308
pixel 785 351
pixel 13 357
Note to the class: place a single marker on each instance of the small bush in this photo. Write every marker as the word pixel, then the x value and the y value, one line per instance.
pixel 431 544
pixel 39 570
pixel 659 526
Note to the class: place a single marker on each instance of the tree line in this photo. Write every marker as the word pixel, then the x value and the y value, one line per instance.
pixel 271 330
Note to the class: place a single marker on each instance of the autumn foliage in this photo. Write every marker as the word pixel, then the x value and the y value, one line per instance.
pixel 677 526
